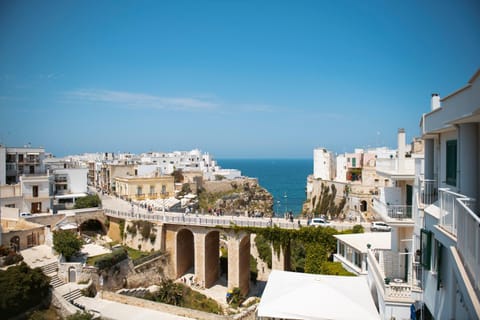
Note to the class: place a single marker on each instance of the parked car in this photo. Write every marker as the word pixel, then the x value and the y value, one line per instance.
pixel 319 222
pixel 25 214
pixel 380 226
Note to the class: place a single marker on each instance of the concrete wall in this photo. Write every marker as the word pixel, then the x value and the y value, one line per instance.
pixel 114 229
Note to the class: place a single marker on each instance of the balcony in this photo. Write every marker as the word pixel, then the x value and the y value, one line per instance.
pixel 389 281
pixel 428 192
pixel 458 217
pixel 392 211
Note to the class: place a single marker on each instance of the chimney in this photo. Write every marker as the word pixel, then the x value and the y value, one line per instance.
pixel 435 103
pixel 401 149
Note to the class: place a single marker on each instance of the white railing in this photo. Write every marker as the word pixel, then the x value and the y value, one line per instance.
pixel 202 220
pixel 449 207
pixel 428 192
pixel 394 211
pixel 468 238
pixel 390 289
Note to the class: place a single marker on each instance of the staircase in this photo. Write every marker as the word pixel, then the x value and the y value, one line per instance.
pixel 56 282
pixel 51 271
pixel 75 294
pixel 50 268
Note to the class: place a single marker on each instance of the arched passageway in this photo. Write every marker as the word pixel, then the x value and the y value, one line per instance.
pixel 212 258
pixel 92 227
pixel 185 249
pixel 363 206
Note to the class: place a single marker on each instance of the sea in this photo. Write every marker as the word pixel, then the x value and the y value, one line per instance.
pixel 285 179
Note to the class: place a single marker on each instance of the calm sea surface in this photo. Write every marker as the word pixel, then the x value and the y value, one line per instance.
pixel 285 179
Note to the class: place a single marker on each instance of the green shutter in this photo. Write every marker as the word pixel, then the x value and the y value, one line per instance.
pixel 426 242
pixel 451 174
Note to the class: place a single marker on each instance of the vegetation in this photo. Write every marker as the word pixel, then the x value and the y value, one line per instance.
pixel 44 314
pixel 310 248
pixel 90 201
pixel 109 260
pixel 11 257
pixel 180 295
pixel 236 297
pixel 121 226
pixel 21 288
pixel 144 227
pixel 264 249
pixel 66 243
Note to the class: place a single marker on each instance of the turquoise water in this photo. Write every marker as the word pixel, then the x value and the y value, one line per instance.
pixel 285 179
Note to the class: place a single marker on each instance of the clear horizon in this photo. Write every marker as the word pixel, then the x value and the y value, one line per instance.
pixel 240 80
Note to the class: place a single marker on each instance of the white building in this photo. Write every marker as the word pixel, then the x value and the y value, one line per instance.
pixel 450 237
pixel 434 263
pixel 15 162
pixel 323 164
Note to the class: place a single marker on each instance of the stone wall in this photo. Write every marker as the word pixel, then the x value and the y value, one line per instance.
pixel 226 185
pixel 137 241
pixel 183 312
pixel 62 306
pixel 148 273
pixel 114 229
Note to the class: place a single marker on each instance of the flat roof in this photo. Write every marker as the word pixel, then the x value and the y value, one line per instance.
pixel 359 241
pixel 292 295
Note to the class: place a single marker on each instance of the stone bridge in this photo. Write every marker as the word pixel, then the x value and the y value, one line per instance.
pixel 193 244
pixel 79 216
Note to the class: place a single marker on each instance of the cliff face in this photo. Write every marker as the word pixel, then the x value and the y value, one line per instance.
pixel 239 196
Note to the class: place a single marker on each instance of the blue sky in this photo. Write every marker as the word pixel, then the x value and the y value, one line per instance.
pixel 239 79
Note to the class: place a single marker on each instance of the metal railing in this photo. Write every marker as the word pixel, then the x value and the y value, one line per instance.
pixel 428 192
pixel 449 208
pixel 394 211
pixel 468 238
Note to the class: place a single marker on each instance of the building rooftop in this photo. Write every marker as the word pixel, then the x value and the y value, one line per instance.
pixel 359 241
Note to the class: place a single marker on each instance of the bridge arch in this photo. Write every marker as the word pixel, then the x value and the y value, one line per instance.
pixel 185 250
pixel 92 225
pixel 212 257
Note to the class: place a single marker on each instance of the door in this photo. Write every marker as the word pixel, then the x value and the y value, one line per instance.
pixel 409 200
pixel 36 207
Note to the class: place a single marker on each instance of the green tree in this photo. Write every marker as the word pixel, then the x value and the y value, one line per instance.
pixel 90 201
pixel 21 288
pixel 67 243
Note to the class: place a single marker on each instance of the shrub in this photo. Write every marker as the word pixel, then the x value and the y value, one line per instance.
pixel 67 243
pixel 90 201
pixel 12 258
pixel 80 316
pixel 21 288
pixel 111 259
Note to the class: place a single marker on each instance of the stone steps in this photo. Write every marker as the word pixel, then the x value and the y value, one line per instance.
pixel 50 268
pixel 75 294
pixel 56 282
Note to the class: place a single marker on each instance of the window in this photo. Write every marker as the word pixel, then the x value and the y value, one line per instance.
pixel 354 162
pixel 35 191
pixel 152 190
pixel 426 243
pixel 451 161
pixel 139 190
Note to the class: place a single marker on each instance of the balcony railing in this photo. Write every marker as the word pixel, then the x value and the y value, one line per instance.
pixel 428 192
pixel 390 289
pixel 449 209
pixel 468 238
pixel 394 211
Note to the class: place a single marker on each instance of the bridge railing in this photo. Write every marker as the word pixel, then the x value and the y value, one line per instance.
pixel 202 220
